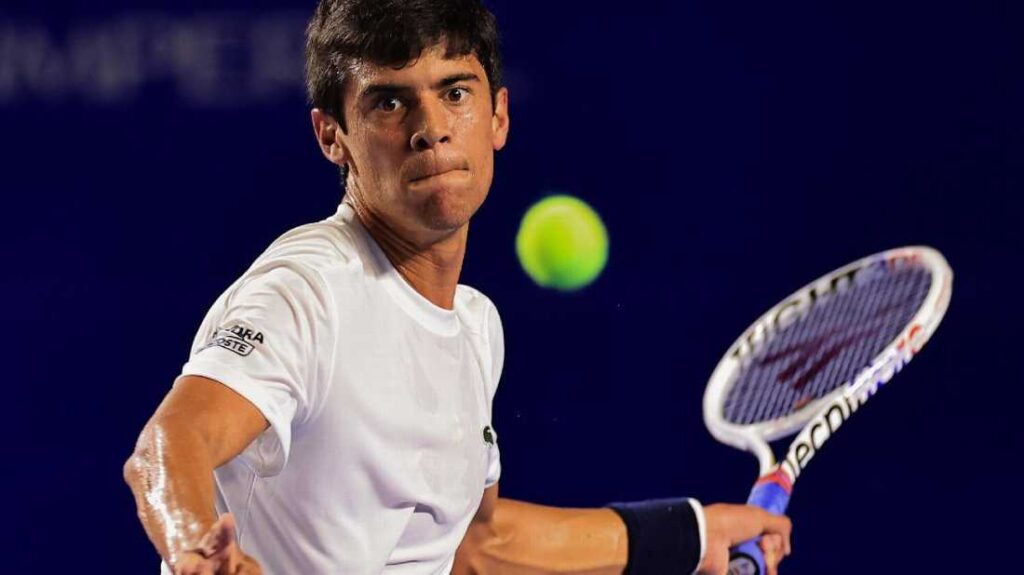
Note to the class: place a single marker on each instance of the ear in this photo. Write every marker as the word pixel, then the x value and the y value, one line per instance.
pixel 500 119
pixel 328 134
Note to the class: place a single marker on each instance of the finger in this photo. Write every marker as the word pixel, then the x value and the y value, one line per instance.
pixel 771 546
pixel 772 563
pixel 785 539
pixel 233 559
pixel 250 567
pixel 781 541
pixel 192 563
pixel 777 524
pixel 736 523
pixel 771 543
pixel 247 566
pixel 218 539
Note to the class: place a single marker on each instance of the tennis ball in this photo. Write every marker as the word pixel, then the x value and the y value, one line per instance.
pixel 562 243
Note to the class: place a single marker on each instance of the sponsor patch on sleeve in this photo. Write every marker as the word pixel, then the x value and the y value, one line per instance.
pixel 237 337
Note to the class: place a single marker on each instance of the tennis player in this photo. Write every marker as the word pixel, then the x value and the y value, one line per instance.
pixel 334 416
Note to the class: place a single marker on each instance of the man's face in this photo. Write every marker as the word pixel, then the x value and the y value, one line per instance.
pixel 420 141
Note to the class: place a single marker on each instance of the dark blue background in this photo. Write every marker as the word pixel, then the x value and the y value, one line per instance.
pixel 736 150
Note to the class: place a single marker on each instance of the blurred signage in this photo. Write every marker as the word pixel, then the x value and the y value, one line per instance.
pixel 202 60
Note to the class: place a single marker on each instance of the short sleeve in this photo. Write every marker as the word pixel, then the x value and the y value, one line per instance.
pixel 269 339
pixel 496 343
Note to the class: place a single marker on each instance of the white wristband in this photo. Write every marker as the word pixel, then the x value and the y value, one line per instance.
pixel 698 511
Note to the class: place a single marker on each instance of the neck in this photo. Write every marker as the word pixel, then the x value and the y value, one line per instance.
pixel 431 264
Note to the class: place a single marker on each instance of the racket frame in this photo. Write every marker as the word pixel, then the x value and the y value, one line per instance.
pixel 820 418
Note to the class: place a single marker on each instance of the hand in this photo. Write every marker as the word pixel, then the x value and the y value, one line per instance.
pixel 730 525
pixel 218 554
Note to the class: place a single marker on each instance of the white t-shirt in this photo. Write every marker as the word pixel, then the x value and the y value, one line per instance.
pixel 380 445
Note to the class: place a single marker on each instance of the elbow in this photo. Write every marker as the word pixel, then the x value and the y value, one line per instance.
pixel 141 457
pixel 133 466
pixel 468 562
pixel 470 559
pixel 165 446
pixel 485 550
pixel 130 471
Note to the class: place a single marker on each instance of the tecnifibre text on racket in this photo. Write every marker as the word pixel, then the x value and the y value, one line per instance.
pixel 809 363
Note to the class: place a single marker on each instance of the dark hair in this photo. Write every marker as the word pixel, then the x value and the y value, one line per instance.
pixel 392 33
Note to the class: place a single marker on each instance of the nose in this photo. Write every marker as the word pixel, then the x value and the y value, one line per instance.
pixel 432 128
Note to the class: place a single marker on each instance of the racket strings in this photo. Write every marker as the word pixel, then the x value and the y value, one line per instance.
pixel 826 348
pixel 826 341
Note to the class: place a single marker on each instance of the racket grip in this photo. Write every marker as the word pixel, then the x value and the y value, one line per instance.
pixel 770 493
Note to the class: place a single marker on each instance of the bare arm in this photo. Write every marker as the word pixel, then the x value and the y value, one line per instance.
pixel 200 425
pixel 515 538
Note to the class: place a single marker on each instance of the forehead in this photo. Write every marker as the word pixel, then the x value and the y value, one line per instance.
pixel 430 67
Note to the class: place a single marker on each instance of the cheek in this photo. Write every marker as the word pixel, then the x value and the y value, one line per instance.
pixel 380 154
pixel 485 171
pixel 480 149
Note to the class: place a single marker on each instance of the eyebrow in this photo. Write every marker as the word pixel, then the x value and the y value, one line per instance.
pixel 387 88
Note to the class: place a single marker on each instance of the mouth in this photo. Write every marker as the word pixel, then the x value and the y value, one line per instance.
pixel 432 175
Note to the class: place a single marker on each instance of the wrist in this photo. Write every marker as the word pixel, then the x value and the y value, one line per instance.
pixel 186 541
pixel 664 535
pixel 702 529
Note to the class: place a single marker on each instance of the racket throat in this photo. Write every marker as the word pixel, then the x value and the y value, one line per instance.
pixel 781 476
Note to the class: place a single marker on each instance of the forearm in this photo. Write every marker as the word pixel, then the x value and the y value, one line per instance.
pixel 523 538
pixel 171 476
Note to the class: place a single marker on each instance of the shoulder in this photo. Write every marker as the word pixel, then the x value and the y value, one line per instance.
pixel 311 255
pixel 326 243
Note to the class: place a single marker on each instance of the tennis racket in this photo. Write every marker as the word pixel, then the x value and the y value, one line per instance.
pixel 809 363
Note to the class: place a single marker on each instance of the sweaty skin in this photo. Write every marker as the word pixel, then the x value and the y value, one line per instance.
pixel 419 143
pixel 200 425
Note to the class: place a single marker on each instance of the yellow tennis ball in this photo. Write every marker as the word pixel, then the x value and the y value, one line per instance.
pixel 562 243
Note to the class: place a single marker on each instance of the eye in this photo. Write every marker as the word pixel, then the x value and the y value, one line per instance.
pixel 388 104
pixel 457 95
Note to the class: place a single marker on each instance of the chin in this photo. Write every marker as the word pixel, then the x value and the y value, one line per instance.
pixel 449 210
